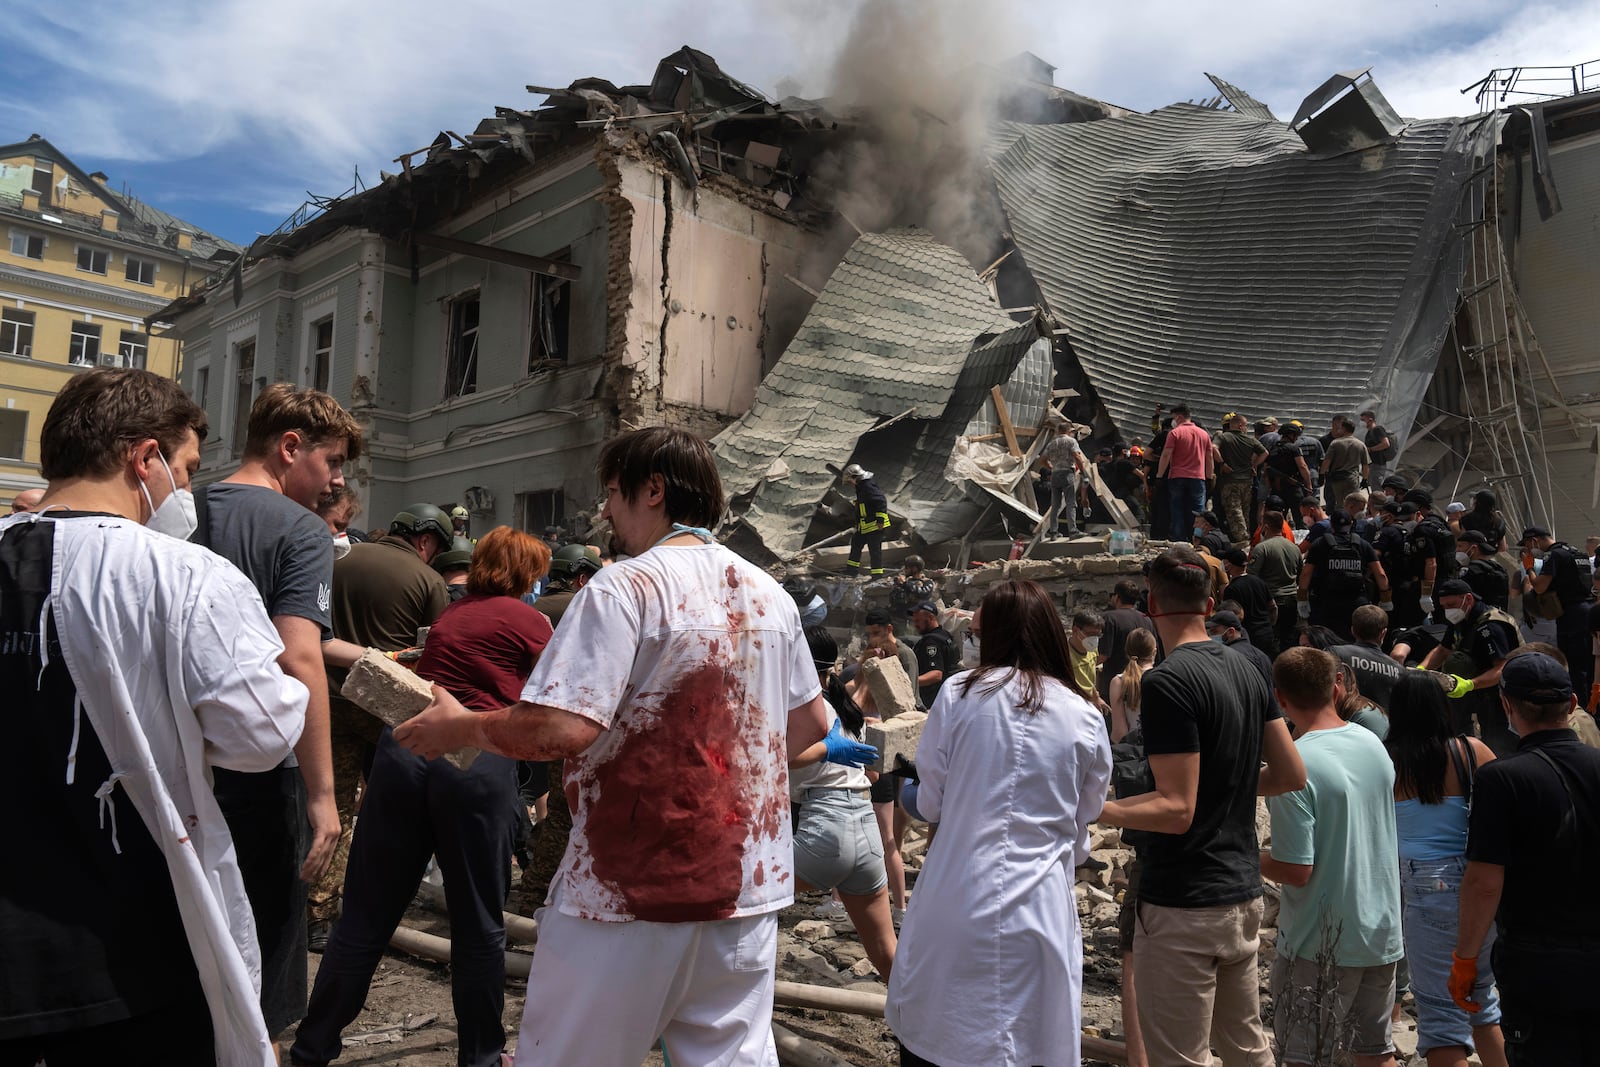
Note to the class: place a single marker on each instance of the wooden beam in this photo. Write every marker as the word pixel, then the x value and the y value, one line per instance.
pixel 1004 415
pixel 536 264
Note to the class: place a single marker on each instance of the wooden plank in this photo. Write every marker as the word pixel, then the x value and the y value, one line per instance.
pixel 1115 506
pixel 536 264
pixel 1004 415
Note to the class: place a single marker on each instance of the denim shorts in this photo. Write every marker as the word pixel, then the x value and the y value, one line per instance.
pixel 1431 892
pixel 836 845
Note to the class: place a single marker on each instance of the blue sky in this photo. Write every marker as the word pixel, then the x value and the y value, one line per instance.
pixel 227 113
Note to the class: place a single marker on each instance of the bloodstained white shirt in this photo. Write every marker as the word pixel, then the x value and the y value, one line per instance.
pixel 690 658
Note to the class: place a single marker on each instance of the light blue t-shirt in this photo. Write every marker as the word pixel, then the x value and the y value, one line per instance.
pixel 1342 823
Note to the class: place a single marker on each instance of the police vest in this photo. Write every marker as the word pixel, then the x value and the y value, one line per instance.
pixel 1431 538
pixel 1489 582
pixel 1467 636
pixel 1343 571
pixel 1578 588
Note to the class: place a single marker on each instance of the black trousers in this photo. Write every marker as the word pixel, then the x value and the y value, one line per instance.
pixel 177 1034
pixel 911 1059
pixel 413 809
pixel 874 544
pixel 266 814
pixel 1544 1015
pixel 1572 637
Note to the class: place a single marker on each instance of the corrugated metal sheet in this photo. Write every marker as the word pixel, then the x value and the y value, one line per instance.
pixel 891 333
pixel 1202 255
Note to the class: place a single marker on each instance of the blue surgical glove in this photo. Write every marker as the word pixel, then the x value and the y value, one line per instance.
pixel 845 749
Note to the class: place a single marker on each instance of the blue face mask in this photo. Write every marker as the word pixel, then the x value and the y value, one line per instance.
pixel 1220 639
pixel 1198 532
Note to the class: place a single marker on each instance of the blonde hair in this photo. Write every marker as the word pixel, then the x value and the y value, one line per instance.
pixel 1140 645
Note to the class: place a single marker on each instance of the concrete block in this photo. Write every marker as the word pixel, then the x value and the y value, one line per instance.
pixel 383 688
pixel 893 693
pixel 898 735
pixel 813 930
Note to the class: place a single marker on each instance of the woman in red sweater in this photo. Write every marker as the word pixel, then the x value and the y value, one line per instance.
pixel 482 649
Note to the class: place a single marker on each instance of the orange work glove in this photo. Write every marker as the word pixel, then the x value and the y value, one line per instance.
pixel 1463 976
pixel 1594 697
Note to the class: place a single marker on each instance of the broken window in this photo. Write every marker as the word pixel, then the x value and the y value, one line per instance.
pixel 16 333
pixel 321 353
pixel 141 271
pixel 461 372
pixel 13 433
pixel 83 349
pixel 551 300
pixel 92 260
pixel 202 383
pixel 542 508
pixel 43 177
pixel 27 245
pixel 244 393
pixel 133 350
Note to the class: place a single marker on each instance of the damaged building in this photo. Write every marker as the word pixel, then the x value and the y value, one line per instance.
pixel 509 299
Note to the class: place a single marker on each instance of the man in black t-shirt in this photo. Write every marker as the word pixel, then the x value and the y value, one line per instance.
pixel 1488 579
pixel 1253 595
pixel 1209 723
pixel 1569 574
pixel 1118 622
pixel 938 656
pixel 1473 651
pixel 1533 860
pixel 1380 447
pixel 1334 581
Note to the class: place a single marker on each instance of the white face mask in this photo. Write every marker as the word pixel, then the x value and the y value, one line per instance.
pixel 175 517
pixel 1454 615
pixel 1091 644
pixel 1462 558
pixel 341 546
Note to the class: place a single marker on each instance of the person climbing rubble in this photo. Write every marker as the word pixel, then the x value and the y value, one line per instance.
pixel 872 519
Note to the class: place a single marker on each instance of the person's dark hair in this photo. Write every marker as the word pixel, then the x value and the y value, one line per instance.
pixel 825 654
pixel 1233 606
pixel 1126 591
pixel 1179 580
pixel 339 497
pixel 1369 415
pixel 877 617
pixel 1273 521
pixel 1352 701
pixel 1087 620
pixel 1304 677
pixel 1321 637
pixel 1419 730
pixel 1483 502
pixel 1180 409
pixel 688 472
pixel 1348 423
pixel 1368 622
pixel 99 415
pixel 1022 635
pixel 317 417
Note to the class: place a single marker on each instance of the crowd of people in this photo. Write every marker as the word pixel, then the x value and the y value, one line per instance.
pixel 192 775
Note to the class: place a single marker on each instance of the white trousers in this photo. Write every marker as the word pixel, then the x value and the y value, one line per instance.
pixel 601 993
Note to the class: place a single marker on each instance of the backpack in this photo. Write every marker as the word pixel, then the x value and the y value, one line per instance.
pixel 1432 538
pixel 1344 573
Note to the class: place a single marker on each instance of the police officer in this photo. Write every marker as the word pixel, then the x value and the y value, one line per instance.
pixel 872 519
pixel 1333 582
pixel 1288 476
pixel 1568 573
pixel 1431 546
pixel 1474 649
pixel 1488 579
pixel 453 565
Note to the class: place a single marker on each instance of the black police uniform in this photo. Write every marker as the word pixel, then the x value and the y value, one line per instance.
pixel 1486 636
pixel 1572 581
pixel 1338 565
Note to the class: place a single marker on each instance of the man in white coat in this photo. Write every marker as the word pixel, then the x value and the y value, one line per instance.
pixel 133 663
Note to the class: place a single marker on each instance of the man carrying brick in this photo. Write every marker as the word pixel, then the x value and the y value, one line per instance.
pixel 677 688
pixel 262 519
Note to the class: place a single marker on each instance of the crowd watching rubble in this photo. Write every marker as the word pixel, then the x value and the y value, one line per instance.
pixel 206 682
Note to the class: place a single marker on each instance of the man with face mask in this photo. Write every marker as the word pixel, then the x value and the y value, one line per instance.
pixel 135 666
pixel 1569 574
pixel 1479 570
pixel 262 519
pixel 339 509
pixel 1474 649
pixel 1083 648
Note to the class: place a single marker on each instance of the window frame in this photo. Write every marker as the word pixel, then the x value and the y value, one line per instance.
pixel 13 317
pixel 92 251
pixel 92 331
pixel 244 391
pixel 457 362
pixel 320 365
pixel 128 270
pixel 27 237
pixel 141 342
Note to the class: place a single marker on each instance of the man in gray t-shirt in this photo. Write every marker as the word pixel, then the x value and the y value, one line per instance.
pixel 1066 459
pixel 285 822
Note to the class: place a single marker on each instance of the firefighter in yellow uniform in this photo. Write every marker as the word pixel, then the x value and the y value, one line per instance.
pixel 872 519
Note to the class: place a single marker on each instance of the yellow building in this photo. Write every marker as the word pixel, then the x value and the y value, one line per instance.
pixel 81 267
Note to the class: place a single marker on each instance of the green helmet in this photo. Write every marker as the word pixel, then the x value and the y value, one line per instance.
pixel 569 561
pixel 458 555
pixel 423 518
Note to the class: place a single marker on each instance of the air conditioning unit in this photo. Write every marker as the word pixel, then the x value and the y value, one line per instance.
pixel 110 359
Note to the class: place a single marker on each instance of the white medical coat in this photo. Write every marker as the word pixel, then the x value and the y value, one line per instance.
pixel 175 664
pixel 989 969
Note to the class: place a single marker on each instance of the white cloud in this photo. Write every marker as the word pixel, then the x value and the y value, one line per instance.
pixel 289 95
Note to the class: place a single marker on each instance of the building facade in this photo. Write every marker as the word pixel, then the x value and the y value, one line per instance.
pixel 81 267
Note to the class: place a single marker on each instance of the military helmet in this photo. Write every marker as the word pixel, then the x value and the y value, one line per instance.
pixel 459 554
pixel 569 561
pixel 423 518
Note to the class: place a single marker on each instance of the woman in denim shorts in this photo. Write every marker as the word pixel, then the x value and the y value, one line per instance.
pixel 1433 793
pixel 836 842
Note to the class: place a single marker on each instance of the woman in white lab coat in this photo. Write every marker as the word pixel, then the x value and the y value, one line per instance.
pixel 1014 763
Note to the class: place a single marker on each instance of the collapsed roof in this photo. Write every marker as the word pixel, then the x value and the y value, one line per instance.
pixel 1207 255
pixel 903 333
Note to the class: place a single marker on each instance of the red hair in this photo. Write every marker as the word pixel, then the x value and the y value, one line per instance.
pixel 507 562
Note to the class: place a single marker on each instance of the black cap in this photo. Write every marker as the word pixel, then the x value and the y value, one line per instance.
pixel 1104 452
pixel 1452 587
pixel 926 605
pixel 1408 510
pixel 1392 508
pixel 1395 482
pixel 1420 497
pixel 878 617
pixel 1339 520
pixel 1236 556
pixel 1474 537
pixel 1224 620
pixel 1274 502
pixel 1531 532
pixel 1536 677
